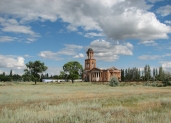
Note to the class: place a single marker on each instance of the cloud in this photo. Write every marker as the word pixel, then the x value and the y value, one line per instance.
pixel 167 21
pixel 164 10
pixel 116 19
pixel 7 38
pixel 80 55
pixel 12 62
pixel 93 34
pixel 154 1
pixel 166 65
pixel 108 51
pixel 69 50
pixel 12 26
pixel 148 43
pixel 149 57
pixel 152 57
pixel 71 28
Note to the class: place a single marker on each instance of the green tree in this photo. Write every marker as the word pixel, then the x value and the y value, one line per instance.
pixel 73 70
pixel 122 75
pixel 147 72
pixel 11 73
pixel 114 81
pixel 34 69
pixel 161 73
pixel 16 77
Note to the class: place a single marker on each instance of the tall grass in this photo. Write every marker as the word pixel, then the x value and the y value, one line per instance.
pixel 83 103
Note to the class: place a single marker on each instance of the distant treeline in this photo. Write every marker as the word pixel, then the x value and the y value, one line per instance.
pixel 135 74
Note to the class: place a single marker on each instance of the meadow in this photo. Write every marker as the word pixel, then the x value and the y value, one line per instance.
pixel 83 102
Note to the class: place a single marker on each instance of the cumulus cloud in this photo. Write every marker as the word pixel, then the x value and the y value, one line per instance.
pixel 148 43
pixel 80 55
pixel 116 19
pixel 166 64
pixel 70 50
pixel 108 51
pixel 12 62
pixel 164 10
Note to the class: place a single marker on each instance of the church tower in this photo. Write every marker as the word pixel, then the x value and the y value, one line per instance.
pixel 90 62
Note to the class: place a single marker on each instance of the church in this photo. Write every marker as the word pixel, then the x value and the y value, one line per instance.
pixel 93 74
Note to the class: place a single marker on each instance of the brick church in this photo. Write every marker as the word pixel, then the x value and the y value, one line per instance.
pixel 93 74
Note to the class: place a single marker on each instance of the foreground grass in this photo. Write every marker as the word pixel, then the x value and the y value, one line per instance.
pixel 83 103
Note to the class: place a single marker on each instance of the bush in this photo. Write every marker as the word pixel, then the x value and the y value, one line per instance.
pixel 114 81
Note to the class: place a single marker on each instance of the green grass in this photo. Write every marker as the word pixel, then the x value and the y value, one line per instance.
pixel 83 103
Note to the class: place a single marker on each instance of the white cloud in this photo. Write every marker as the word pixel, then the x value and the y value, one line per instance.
pixel 12 26
pixel 154 1
pixel 50 55
pixel 108 51
pixel 166 64
pixel 71 28
pixel 148 43
pixel 164 10
pixel 69 49
pixel 149 57
pixel 12 62
pixel 93 34
pixel 167 21
pixel 7 38
pixel 117 19
pixel 153 57
pixel 80 55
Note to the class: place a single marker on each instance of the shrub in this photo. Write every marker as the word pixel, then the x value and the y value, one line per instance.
pixel 114 81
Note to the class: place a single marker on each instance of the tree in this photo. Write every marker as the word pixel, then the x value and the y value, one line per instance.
pixel 147 72
pixel 161 73
pixel 114 81
pixel 34 69
pixel 73 70
pixel 122 74
pixel 11 73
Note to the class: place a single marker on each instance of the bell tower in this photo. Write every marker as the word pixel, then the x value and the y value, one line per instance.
pixel 90 62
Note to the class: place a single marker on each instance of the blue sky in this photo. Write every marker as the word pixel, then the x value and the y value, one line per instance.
pixel 122 33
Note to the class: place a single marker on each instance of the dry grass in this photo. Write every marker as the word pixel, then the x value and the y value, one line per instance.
pixel 83 102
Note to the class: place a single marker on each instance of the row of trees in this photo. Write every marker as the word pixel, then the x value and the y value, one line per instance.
pixel 135 74
pixel 10 77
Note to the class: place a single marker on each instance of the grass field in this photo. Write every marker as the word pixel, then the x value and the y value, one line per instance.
pixel 83 103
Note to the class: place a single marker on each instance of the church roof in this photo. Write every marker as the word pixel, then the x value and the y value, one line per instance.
pixel 112 68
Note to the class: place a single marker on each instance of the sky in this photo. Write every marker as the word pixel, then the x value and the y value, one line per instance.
pixel 122 33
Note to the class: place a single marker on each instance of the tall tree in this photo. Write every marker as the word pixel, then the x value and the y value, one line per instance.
pixel 34 69
pixel 73 70
pixel 154 73
pixel 147 72
pixel 11 73
pixel 122 75
pixel 161 73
